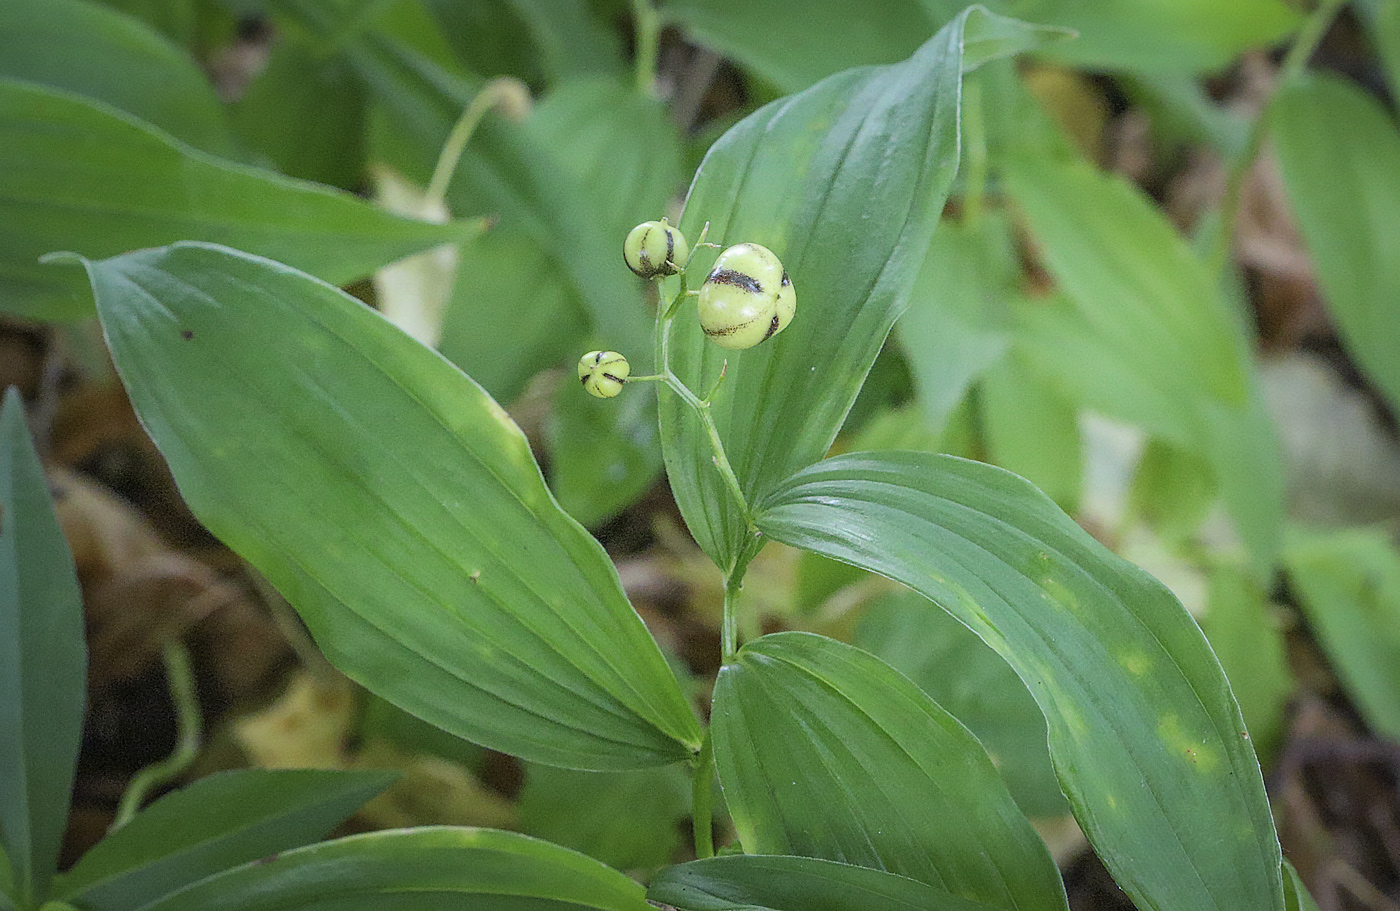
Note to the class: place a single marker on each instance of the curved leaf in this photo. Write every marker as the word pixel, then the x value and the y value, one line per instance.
pixel 773 883
pixel 428 869
pixel 845 183
pixel 1340 154
pixel 43 662
pixel 395 505
pixel 1149 339
pixel 826 751
pixel 77 175
pixel 215 823
pixel 1144 733
pixel 964 676
pixel 89 49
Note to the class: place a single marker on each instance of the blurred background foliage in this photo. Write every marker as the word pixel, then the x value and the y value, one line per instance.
pixel 1166 290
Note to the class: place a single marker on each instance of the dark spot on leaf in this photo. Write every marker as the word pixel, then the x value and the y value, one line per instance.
pixel 186 334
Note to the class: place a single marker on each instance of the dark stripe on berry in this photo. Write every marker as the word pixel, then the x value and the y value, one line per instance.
pixel 737 279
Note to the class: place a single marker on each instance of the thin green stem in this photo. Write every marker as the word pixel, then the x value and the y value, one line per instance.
pixel 505 90
pixel 729 625
pixel 702 799
pixel 1305 42
pixel 701 408
pixel 648 25
pixel 180 678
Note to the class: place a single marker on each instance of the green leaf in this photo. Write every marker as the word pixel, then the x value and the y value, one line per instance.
pixel 507 175
pixel 960 673
pixel 845 183
pixel 1246 638
pixel 43 662
pixel 825 751
pixel 1299 899
pixel 1160 37
pixel 791 44
pixel 393 503
pixel 218 822
pixel 958 324
pixel 1150 339
pixel 428 869
pixel 1031 428
pixel 627 820
pixel 1144 733
pixel 1382 18
pixel 306 113
pixel 76 175
pixel 1349 586
pixel 621 147
pixel 749 883
pixel 1340 154
pixel 90 50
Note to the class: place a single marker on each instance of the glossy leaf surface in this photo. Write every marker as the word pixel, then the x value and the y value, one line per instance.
pixel 393 503
pixel 428 869
pixel 959 672
pixel 826 751
pixel 1340 154
pixel 43 662
pixel 1144 733
pixel 775 883
pixel 218 822
pixel 844 182
pixel 76 175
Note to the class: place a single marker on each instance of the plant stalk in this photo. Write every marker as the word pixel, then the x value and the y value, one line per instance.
pixel 702 798
pixel 507 91
pixel 1305 43
pixel 648 24
pixel 180 678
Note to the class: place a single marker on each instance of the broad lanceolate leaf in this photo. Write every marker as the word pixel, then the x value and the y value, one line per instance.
pixel 1144 733
pixel 1159 37
pixel 1340 153
pixel 91 50
pixel 1245 637
pixel 947 661
pixel 77 175
pixel 773 883
pixel 845 183
pixel 429 869
pixel 1149 338
pixel 1349 583
pixel 216 823
pixel 958 323
pixel 43 662
pixel 395 505
pixel 826 751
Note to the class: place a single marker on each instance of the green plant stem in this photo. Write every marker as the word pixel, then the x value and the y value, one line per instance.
pixel 180 678
pixel 729 625
pixel 1305 42
pixel 975 134
pixel 699 406
pixel 702 798
pixel 504 90
pixel 648 24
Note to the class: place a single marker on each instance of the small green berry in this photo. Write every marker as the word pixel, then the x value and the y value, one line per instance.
pixel 654 248
pixel 747 298
pixel 603 373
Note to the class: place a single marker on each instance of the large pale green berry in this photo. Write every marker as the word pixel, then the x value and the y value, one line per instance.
pixel 747 298
pixel 654 249
pixel 603 373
